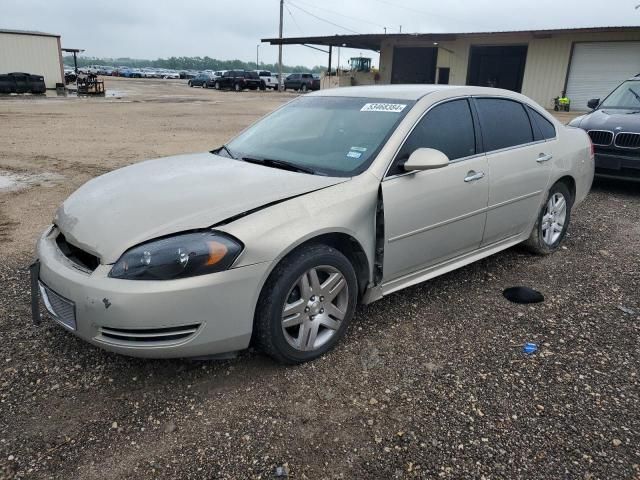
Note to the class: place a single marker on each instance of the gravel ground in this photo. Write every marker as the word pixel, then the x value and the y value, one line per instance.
pixel 430 382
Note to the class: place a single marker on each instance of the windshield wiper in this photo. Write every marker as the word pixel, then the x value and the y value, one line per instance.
pixel 270 162
pixel 635 94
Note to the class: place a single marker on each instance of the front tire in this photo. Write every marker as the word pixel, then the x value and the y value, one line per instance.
pixel 304 88
pixel 553 220
pixel 306 305
pixel 236 87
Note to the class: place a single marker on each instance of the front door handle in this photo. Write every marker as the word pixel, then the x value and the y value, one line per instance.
pixel 472 176
pixel 544 158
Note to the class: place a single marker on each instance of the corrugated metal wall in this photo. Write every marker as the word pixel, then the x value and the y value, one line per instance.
pixel 31 54
pixel 547 58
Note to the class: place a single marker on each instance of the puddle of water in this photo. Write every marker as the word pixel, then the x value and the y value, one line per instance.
pixel 71 93
pixel 6 182
pixel 11 182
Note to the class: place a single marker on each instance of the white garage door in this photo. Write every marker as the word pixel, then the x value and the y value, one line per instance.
pixel 598 67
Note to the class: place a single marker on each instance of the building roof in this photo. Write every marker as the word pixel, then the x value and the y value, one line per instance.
pixel 28 32
pixel 373 41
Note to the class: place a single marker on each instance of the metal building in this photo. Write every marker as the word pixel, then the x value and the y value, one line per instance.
pixel 36 53
pixel 584 62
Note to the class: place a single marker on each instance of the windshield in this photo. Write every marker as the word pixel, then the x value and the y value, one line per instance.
pixel 627 96
pixel 338 136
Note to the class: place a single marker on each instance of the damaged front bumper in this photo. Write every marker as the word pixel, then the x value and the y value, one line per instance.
pixel 190 317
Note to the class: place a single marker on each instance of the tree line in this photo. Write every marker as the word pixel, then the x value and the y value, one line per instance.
pixel 188 63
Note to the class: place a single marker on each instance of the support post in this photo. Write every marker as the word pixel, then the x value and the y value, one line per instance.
pixel 329 71
pixel 280 47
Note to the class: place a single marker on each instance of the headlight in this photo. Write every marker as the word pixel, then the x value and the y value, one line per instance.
pixel 185 255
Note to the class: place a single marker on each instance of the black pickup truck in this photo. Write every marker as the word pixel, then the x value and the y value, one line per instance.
pixel 302 82
pixel 239 80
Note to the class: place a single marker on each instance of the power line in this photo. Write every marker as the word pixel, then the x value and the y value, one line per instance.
pixel 294 20
pixel 340 14
pixel 322 19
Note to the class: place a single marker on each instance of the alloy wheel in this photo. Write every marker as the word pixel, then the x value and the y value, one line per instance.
pixel 553 218
pixel 315 307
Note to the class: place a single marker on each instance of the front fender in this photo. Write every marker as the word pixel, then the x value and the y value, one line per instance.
pixel 272 233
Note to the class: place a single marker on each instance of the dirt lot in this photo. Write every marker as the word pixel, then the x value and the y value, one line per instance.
pixel 429 383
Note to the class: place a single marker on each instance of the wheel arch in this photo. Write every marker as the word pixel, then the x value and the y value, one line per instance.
pixel 345 243
pixel 570 183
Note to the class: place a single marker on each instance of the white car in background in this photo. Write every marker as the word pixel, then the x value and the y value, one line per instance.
pixel 270 79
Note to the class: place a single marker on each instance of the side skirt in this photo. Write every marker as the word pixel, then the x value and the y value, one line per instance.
pixel 433 271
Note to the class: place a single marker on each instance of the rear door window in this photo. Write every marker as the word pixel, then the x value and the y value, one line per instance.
pixel 543 126
pixel 504 123
pixel 447 127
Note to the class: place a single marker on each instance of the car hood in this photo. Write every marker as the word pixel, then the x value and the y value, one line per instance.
pixel 611 119
pixel 123 208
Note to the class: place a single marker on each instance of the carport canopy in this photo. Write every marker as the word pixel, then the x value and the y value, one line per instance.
pixel 373 41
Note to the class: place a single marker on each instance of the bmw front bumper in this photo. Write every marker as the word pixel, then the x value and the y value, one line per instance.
pixel 191 317
pixel 617 165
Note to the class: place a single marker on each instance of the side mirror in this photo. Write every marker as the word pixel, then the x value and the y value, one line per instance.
pixel 593 103
pixel 426 159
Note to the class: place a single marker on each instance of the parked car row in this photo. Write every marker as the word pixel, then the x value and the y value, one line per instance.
pixel 239 80
pixel 235 80
pixel 228 79
pixel 129 72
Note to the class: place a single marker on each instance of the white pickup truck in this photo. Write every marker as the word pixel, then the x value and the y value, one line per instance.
pixel 270 79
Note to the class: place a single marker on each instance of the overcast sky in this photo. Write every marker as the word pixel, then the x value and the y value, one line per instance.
pixel 232 29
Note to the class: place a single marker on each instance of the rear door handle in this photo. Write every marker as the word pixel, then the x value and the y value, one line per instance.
pixel 544 158
pixel 473 176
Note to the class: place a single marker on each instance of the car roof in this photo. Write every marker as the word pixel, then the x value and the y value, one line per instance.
pixel 412 92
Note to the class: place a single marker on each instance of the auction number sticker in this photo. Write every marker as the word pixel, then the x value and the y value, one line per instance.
pixel 383 107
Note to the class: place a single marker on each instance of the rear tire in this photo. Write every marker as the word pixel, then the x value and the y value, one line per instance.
pixel 553 220
pixel 304 88
pixel 236 87
pixel 301 315
pixel 217 85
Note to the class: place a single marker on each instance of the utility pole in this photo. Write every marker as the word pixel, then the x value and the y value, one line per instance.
pixel 257 57
pixel 280 47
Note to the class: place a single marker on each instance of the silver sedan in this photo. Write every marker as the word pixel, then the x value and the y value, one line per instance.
pixel 339 197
